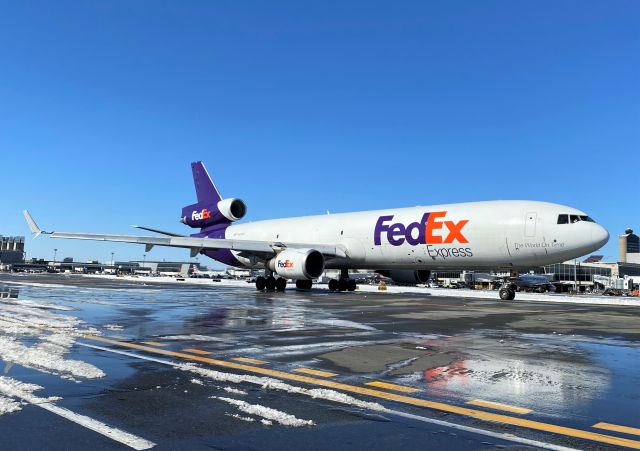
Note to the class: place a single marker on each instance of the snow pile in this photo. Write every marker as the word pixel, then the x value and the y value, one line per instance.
pixel 267 413
pixel 47 356
pixel 196 381
pixel 276 384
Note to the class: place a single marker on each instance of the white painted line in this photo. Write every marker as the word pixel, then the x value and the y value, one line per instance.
pixel 133 441
pixel 126 438
pixel 498 435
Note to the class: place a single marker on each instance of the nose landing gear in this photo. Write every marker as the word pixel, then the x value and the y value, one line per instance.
pixel 507 292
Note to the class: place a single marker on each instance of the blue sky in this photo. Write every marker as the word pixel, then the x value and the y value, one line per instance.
pixel 303 107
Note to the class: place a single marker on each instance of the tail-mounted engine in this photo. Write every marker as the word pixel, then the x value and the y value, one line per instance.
pixel 203 215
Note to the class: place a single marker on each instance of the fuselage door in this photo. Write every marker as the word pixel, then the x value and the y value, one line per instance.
pixel 530 224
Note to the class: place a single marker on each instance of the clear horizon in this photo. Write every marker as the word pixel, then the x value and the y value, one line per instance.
pixel 303 108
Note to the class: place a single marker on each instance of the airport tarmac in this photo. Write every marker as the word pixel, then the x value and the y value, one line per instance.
pixel 109 364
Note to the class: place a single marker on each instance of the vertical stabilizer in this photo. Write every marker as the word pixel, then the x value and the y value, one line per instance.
pixel 205 189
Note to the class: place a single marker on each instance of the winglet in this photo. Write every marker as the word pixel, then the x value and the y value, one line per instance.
pixel 32 224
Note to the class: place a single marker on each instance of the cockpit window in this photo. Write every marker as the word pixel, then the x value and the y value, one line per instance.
pixel 574 219
pixel 563 219
pixel 586 218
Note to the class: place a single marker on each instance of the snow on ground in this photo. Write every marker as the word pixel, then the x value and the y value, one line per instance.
pixel 269 383
pixel 235 391
pixel 192 337
pixel 392 289
pixel 113 327
pixel 12 388
pixel 47 357
pixel 22 322
pixel 241 418
pixel 267 413
pixel 8 405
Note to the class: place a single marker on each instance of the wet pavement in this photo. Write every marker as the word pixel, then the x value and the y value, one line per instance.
pixel 224 367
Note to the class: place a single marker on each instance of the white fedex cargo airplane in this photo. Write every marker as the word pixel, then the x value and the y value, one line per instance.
pixel 404 244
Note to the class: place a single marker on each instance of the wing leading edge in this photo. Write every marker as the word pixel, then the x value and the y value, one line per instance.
pixel 193 243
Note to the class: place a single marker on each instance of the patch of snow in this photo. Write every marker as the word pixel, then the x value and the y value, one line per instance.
pixel 235 415
pixel 235 391
pixel 115 327
pixel 276 384
pixel 192 337
pixel 8 405
pixel 196 381
pixel 267 413
pixel 47 357
pixel 266 422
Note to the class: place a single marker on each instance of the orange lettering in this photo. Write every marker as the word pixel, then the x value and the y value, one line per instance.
pixel 433 225
pixel 455 231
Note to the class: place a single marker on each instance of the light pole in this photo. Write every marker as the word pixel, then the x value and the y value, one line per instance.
pixel 113 262
pixel 55 252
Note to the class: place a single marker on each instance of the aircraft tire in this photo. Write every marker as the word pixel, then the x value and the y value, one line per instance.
pixel 507 294
pixel 351 285
pixel 261 283
pixel 333 285
pixel 281 284
pixel 343 284
pixel 304 284
pixel 270 283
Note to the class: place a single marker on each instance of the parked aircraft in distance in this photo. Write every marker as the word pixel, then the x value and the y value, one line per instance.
pixel 406 243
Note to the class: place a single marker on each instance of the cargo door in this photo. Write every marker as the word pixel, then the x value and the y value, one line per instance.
pixel 530 221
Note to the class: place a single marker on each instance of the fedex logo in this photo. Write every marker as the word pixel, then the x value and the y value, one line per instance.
pixel 285 264
pixel 432 229
pixel 200 215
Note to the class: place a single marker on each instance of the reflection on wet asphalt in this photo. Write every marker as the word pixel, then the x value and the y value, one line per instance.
pixel 569 365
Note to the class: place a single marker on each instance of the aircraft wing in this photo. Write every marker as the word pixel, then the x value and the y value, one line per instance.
pixel 193 243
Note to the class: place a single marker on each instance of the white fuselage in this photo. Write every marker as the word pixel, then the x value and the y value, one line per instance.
pixel 475 235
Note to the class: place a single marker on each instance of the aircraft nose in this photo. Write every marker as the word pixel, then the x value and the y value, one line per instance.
pixel 599 235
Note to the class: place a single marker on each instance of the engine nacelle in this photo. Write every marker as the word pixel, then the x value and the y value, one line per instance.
pixel 408 276
pixel 233 208
pixel 202 215
pixel 298 264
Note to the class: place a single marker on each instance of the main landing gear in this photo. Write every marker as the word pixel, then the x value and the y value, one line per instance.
pixel 344 283
pixel 270 283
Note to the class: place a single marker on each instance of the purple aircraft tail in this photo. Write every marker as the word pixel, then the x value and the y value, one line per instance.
pixel 205 189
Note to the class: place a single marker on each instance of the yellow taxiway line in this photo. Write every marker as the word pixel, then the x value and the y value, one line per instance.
pixel 196 351
pixel 471 413
pixel 617 428
pixel 154 343
pixel 500 406
pixel 314 372
pixel 248 360
pixel 388 386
